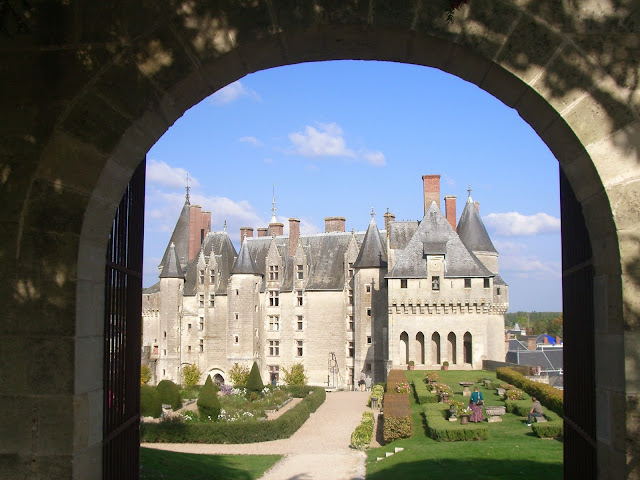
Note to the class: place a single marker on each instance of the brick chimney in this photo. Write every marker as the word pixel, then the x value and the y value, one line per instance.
pixel 294 235
pixel 276 229
pixel 388 218
pixel 245 232
pixel 450 210
pixel 531 342
pixel 431 188
pixel 262 232
pixel 477 204
pixel 334 224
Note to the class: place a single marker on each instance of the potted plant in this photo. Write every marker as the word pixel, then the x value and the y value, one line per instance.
pixel 464 414
pixel 411 364
pixel 445 365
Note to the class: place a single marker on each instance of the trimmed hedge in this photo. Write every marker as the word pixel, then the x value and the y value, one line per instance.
pixel 362 435
pixel 397 412
pixel 423 393
pixel 169 394
pixel 550 397
pixel 552 428
pixel 150 404
pixel 237 432
pixel 441 429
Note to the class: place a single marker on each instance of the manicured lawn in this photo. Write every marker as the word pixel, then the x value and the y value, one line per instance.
pixel 511 451
pixel 159 464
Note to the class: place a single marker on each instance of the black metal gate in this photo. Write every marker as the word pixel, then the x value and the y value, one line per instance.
pixel 123 310
pixel 579 350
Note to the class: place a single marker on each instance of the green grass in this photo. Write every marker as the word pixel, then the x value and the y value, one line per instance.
pixel 511 451
pixel 160 464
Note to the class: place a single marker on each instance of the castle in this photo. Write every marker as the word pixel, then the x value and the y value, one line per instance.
pixel 341 303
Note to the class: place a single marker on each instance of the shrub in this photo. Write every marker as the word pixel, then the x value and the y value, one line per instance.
pixel 295 375
pixel 254 382
pixel 550 397
pixel 145 374
pixel 239 374
pixel 423 393
pixel 237 432
pixel 362 435
pixel 431 376
pixel 191 375
pixel 208 403
pixel 169 394
pixel 439 428
pixel 378 392
pixel 150 404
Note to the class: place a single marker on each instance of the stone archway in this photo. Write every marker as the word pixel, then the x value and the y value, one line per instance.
pixel 88 88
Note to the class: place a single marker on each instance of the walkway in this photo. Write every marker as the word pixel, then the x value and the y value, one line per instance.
pixel 318 450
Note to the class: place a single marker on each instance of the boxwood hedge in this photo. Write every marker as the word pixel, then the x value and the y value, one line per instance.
pixel 550 397
pixel 238 432
pixel 441 429
pixel 423 393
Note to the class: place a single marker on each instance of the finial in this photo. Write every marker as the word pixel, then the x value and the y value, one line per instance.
pixel 469 190
pixel 273 207
pixel 187 196
pixel 225 225
pixel 373 214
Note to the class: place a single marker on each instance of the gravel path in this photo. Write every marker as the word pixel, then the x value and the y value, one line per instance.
pixel 318 450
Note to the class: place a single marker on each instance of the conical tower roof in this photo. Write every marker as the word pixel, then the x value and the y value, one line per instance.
pixel 171 267
pixel 372 252
pixel 245 262
pixel 180 235
pixel 471 230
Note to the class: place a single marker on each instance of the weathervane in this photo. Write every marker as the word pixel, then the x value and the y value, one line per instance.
pixel 187 188
pixel 469 190
pixel 373 214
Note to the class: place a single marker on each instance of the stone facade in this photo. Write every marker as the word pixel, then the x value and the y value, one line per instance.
pixel 330 299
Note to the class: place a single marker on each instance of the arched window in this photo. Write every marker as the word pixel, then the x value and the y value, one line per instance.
pixel 404 348
pixel 468 357
pixel 435 348
pixel 451 340
pixel 419 355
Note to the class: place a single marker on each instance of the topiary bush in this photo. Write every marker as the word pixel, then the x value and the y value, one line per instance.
pixel 254 382
pixel 169 394
pixel 208 403
pixel 150 404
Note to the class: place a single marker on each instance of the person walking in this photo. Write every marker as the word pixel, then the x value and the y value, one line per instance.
pixel 476 401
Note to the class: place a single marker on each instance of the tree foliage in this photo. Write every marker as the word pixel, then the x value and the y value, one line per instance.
pixel 191 375
pixel 169 394
pixel 538 322
pixel 254 382
pixel 294 375
pixel 145 374
pixel 239 374
pixel 208 403
pixel 150 404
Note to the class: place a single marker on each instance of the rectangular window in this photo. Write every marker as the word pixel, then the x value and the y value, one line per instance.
pixel 201 323
pixel 274 323
pixel 212 276
pixel 164 334
pixel 201 345
pixel 350 297
pixel 403 283
pixel 164 352
pixel 201 276
pixel 273 272
pixel 299 350
pixel 300 323
pixel 368 312
pixel 368 367
pixel 274 348
pixel 350 376
pixel 498 291
pixel 350 323
pixel 299 299
pixel 351 350
pixel 435 283
pixel 299 272
pixel 274 298
pixel 274 373
pixel 237 316
pixel 350 271
pixel 368 339
pixel 367 288
pixel 201 300
pixel 212 300
pixel 487 283
pixel 189 326
pixel 236 339
pixel 467 283
pixel 189 348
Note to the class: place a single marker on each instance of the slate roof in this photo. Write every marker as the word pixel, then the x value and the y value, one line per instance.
pixel 433 232
pixel 180 236
pixel 498 280
pixel 245 263
pixel 471 230
pixel 372 251
pixel 171 267
pixel 515 344
pixel 217 244
pixel 547 360
pixel 152 289
pixel 400 233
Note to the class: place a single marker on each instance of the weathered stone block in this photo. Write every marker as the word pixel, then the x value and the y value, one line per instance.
pixel 494 419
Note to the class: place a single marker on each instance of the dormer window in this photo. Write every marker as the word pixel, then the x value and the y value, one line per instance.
pixel 299 272
pixel 435 283
pixel 201 276
pixel 273 272
pixel 212 276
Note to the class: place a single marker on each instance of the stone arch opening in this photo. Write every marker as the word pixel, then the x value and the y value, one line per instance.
pixel 452 348
pixel 404 348
pixel 467 348
pixel 435 349
pixel 419 350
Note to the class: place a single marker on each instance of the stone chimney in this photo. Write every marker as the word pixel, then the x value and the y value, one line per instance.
pixel 477 204
pixel 294 235
pixel 450 210
pixel 431 188
pixel 334 224
pixel 531 342
pixel 245 232
pixel 276 229
pixel 388 218
pixel 262 232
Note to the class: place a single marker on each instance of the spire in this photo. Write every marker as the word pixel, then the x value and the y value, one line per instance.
pixel 372 252
pixel 171 267
pixel 472 231
pixel 186 199
pixel 273 207
pixel 244 262
pixel 469 190
pixel 373 214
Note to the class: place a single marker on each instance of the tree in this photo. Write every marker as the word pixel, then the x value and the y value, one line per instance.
pixel 191 375
pixel 169 394
pixel 208 403
pixel 555 328
pixel 145 374
pixel 295 375
pixel 239 374
pixel 150 404
pixel 254 382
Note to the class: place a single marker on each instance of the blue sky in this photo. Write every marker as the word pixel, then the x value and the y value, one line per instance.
pixel 338 138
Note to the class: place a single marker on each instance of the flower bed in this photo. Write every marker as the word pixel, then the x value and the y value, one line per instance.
pixel 397 412
pixel 439 428
pixel 247 431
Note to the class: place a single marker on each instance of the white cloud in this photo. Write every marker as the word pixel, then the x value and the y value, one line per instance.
pixel 327 141
pixel 514 223
pixel 529 266
pixel 160 173
pixel 232 92
pixel 252 140
pixel 377 159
